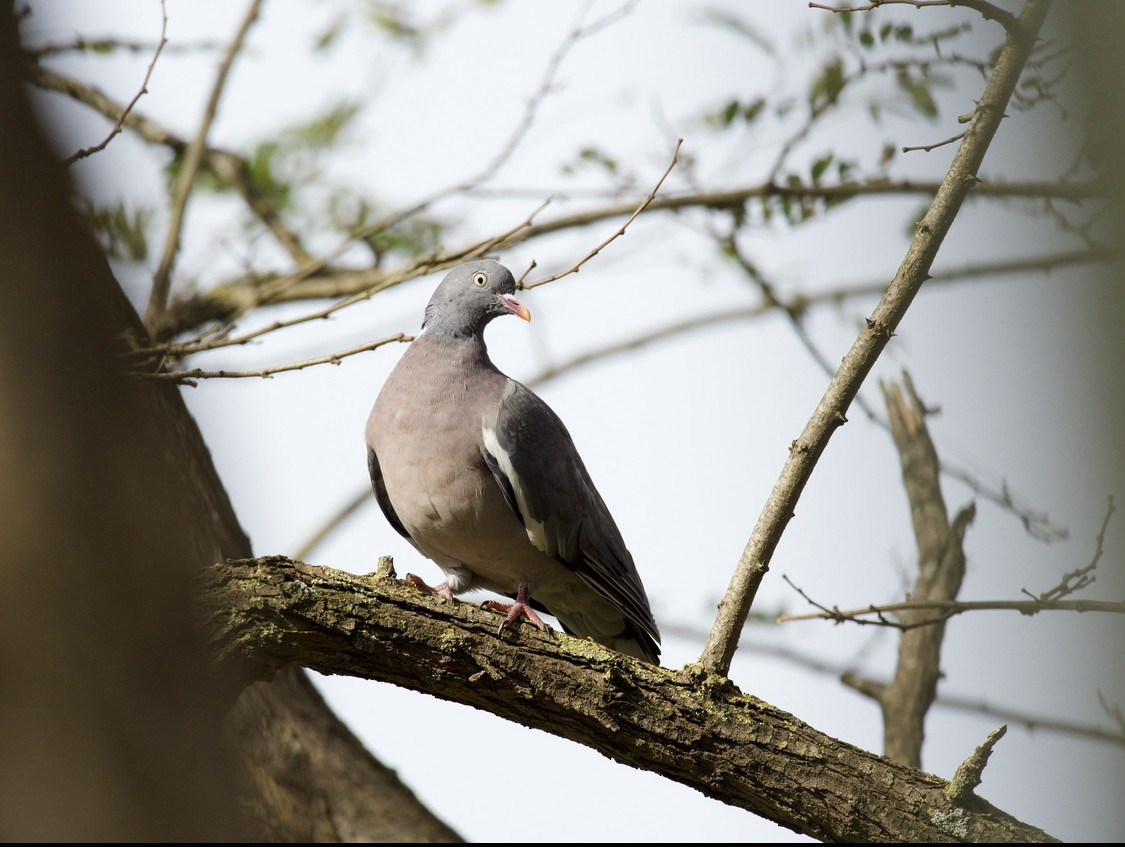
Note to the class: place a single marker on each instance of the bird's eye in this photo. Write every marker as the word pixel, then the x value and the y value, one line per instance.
pixel 479 279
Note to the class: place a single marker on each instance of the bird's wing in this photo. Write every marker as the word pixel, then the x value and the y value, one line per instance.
pixel 380 489
pixel 546 484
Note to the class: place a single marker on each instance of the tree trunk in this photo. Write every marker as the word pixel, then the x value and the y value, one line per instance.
pixel 113 711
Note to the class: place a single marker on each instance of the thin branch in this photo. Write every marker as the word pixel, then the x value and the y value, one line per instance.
pixel 620 232
pixel 1037 524
pixel 88 151
pixel 949 608
pixel 831 411
pixel 988 11
pixel 193 158
pixel 100 46
pixel 1082 577
pixel 189 377
pixel 823 107
pixel 928 147
pixel 1032 722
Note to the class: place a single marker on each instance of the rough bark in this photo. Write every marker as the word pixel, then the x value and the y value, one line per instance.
pixel 272 613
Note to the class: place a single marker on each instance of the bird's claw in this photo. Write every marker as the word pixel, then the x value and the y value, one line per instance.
pixel 513 612
pixel 440 590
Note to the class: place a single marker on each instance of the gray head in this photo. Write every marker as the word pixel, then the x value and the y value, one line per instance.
pixel 470 296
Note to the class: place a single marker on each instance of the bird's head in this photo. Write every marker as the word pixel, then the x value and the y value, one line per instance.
pixel 470 296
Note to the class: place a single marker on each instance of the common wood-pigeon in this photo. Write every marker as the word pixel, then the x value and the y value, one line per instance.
pixel 482 477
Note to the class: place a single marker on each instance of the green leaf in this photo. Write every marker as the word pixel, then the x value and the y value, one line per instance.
pixel 588 156
pixel 123 233
pixel 827 86
pixel 819 167
pixel 322 131
pixel 751 112
pixel 919 92
pixel 262 169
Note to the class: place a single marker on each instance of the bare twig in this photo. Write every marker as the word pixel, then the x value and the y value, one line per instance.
pixel 621 231
pixel 988 11
pixel 189 377
pixel 949 608
pixel 316 281
pixel 1082 577
pixel 928 147
pixel 88 151
pixel 945 609
pixel 193 158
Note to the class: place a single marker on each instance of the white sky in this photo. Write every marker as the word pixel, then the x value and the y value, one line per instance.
pixel 684 439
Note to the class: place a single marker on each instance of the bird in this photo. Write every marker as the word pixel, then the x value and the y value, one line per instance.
pixel 482 477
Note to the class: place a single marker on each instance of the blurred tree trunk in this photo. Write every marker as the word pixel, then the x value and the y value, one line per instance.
pixel 113 715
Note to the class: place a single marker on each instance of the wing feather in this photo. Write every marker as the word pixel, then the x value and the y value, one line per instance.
pixel 546 484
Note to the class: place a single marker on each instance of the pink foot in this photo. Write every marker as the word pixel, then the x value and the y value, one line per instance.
pixel 441 590
pixel 514 611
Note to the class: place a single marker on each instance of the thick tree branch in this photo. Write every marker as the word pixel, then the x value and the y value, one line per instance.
pixel 272 613
pixel 831 412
